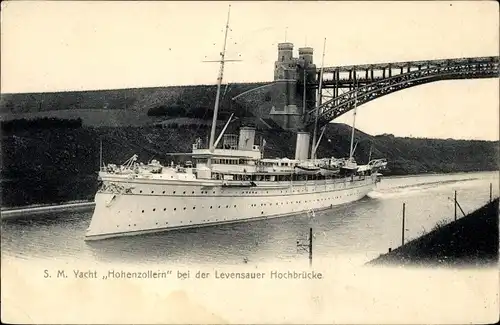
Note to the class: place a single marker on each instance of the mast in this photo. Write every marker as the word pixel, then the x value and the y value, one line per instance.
pixel 100 155
pixel 313 147
pixel 219 82
pixel 353 123
pixel 304 93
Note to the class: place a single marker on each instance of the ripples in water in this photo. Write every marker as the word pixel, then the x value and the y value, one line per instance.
pixel 364 229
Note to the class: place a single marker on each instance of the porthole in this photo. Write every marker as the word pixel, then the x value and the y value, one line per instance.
pixel 192 192
pixel 164 209
pixel 152 192
pixel 184 208
pixel 154 209
pixel 184 192
pixel 210 207
pixel 194 208
pixel 174 192
pixel 175 209
pixel 140 191
pixel 142 211
pixel 163 192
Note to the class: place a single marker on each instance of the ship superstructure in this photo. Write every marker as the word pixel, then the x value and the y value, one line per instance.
pixel 229 180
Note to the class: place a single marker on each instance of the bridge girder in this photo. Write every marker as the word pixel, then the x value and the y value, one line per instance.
pixel 375 87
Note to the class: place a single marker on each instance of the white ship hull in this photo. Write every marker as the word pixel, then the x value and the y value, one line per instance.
pixel 159 205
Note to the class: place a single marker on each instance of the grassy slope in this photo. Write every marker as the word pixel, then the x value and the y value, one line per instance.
pixel 120 107
pixel 471 240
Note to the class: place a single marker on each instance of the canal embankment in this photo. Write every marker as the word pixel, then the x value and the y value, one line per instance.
pixel 42 210
pixel 469 241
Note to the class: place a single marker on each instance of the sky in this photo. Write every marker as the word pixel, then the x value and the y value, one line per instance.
pixel 83 45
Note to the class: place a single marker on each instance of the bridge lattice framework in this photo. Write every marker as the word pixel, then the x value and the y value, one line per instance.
pixel 371 81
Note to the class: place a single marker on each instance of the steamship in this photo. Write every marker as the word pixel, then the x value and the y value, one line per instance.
pixel 228 181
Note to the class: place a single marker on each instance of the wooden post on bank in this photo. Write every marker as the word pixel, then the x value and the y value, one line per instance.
pixel 403 227
pixel 491 190
pixel 455 205
pixel 310 246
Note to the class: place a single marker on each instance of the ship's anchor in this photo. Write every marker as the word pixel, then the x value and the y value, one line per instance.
pixel 108 203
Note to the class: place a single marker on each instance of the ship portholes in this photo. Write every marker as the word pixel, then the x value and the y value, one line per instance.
pixel 164 209
pixel 175 209
pixel 154 209
pixel 184 208
pixel 142 211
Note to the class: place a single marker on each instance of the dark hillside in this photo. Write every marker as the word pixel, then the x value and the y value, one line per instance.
pixel 47 165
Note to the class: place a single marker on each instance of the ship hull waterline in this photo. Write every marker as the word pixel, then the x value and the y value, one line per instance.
pixel 160 207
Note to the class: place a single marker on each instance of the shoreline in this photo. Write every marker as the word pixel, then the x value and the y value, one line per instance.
pixel 12 213
pixel 471 240
pixel 441 174
pixel 84 205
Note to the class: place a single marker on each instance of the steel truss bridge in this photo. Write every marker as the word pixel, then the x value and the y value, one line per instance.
pixel 377 80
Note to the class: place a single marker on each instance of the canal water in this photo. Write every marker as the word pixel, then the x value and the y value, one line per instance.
pixel 357 232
